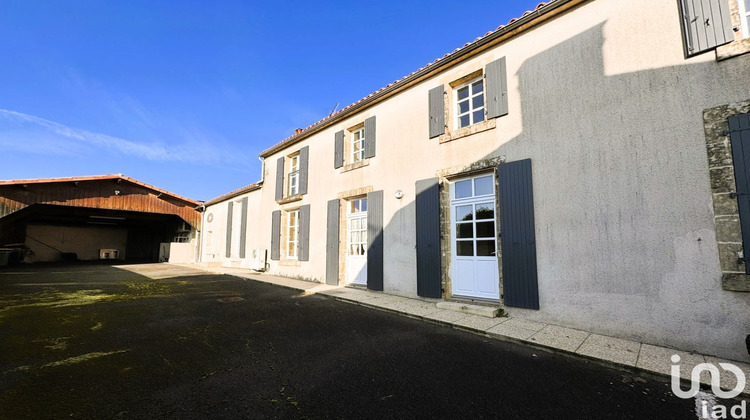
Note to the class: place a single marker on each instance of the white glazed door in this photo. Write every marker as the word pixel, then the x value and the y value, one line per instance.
pixel 474 246
pixel 356 238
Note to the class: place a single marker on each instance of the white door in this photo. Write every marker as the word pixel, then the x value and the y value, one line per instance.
pixel 474 246
pixel 236 234
pixel 356 240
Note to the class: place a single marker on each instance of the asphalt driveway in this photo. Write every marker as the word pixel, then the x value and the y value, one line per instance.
pixel 137 341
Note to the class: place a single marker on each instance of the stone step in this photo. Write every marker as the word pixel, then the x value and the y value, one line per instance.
pixel 481 310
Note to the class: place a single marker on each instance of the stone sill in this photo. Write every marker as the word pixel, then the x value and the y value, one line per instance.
pixel 735 282
pixel 290 199
pixel 733 49
pixel 290 263
pixel 467 131
pixel 356 165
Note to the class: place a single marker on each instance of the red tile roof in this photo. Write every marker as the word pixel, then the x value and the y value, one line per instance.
pixel 97 178
pixel 541 8
pixel 235 193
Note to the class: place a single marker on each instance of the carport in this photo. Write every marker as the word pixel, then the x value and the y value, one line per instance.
pixel 92 218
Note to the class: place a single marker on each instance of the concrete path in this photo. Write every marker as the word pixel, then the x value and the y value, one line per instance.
pixel 608 350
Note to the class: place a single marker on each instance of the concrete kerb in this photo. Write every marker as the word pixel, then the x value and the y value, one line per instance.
pixel 376 302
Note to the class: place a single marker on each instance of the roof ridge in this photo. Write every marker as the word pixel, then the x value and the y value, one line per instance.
pixel 303 131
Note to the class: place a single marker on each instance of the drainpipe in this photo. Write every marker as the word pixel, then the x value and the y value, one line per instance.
pixel 262 168
pixel 199 255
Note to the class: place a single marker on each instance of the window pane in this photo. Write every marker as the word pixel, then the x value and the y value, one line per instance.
pixel 290 250
pixel 747 7
pixel 485 248
pixel 357 145
pixel 465 248
pixel 463 189
pixel 463 121
pixel 364 236
pixel 363 204
pixel 485 211
pixel 464 230
pixel 477 87
pixel 485 229
pixel 477 102
pixel 478 116
pixel 463 107
pixel 483 185
pixel 463 93
pixel 463 213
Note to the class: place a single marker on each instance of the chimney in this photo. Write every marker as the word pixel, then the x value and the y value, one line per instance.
pixel 297 131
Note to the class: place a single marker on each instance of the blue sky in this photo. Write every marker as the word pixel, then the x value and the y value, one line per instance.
pixel 185 94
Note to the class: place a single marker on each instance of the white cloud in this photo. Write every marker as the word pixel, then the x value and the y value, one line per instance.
pixel 28 133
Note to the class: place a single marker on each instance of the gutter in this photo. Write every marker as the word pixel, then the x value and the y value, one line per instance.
pixel 513 28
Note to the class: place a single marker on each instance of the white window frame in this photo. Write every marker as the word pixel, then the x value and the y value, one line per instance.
pixel 292 234
pixel 357 247
pixel 358 155
pixel 293 183
pixel 470 112
pixel 744 19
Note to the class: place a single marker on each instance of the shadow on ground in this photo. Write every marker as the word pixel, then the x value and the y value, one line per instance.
pixel 151 340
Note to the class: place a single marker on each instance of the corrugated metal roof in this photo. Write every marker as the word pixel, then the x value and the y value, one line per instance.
pixel 541 9
pixel 97 178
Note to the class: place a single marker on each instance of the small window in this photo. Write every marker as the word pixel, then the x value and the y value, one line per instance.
pixel 745 17
pixel 293 175
pixel 470 103
pixel 358 145
pixel 292 238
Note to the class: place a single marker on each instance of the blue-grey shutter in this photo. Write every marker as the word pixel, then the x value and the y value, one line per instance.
pixel 739 134
pixel 280 178
pixel 332 243
pixel 437 111
pixel 706 24
pixel 303 244
pixel 517 239
pixel 230 212
pixel 497 88
pixel 375 240
pixel 304 163
pixel 243 227
pixel 428 238
pixel 370 137
pixel 338 149
pixel 276 235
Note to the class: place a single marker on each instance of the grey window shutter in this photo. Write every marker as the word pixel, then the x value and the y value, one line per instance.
pixel 370 137
pixel 280 178
pixel 428 238
pixel 303 244
pixel 338 149
pixel 706 24
pixel 437 111
pixel 375 240
pixel 304 163
pixel 332 243
pixel 517 239
pixel 739 135
pixel 276 235
pixel 497 88
pixel 230 213
pixel 243 227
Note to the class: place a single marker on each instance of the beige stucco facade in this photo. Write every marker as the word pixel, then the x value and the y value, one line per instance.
pixel 603 101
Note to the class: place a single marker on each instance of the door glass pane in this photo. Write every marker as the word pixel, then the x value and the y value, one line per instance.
pixel 483 185
pixel 463 189
pixel 465 248
pixel 463 213
pixel 485 211
pixel 485 230
pixel 464 230
pixel 485 248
